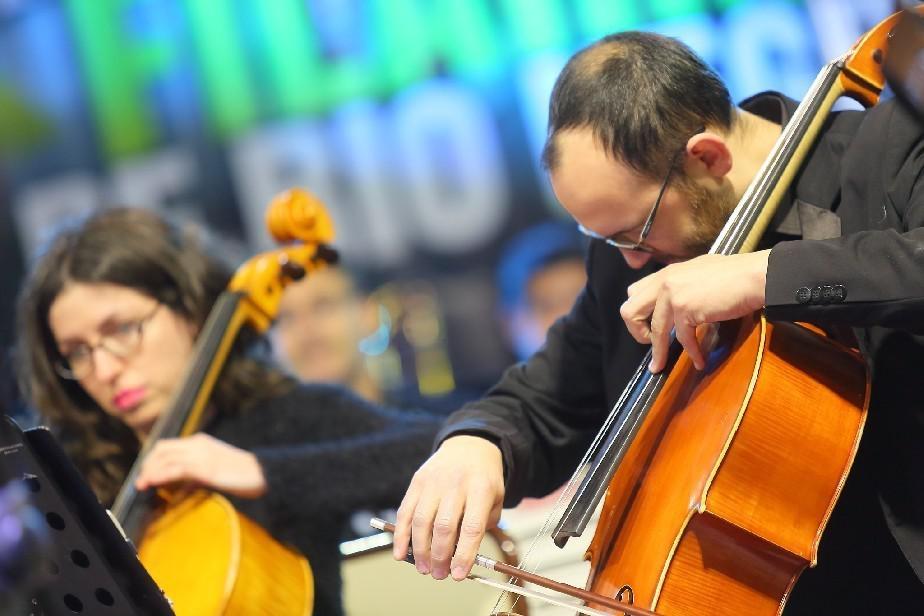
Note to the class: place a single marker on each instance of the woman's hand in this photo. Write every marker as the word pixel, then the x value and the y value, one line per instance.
pixel 205 461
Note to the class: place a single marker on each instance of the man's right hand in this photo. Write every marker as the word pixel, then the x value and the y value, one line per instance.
pixel 452 500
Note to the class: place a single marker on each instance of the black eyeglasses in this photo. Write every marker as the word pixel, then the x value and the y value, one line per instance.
pixel 639 245
pixel 122 342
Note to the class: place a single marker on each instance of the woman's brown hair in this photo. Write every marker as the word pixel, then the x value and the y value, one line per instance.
pixel 140 250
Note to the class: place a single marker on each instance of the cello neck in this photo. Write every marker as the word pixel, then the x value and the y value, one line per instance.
pixel 187 410
pixel 741 233
pixel 751 217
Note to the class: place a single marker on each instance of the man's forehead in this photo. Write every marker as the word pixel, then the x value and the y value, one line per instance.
pixel 585 166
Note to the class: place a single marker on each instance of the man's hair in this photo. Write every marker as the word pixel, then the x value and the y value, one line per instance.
pixel 642 94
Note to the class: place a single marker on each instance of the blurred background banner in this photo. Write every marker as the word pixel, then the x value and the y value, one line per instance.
pixel 418 122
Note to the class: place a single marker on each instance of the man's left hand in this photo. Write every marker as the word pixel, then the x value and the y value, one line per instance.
pixel 707 289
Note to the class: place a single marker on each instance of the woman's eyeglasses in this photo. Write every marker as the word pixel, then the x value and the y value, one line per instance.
pixel 122 342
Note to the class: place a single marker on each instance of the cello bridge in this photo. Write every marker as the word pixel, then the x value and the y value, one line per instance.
pixel 626 595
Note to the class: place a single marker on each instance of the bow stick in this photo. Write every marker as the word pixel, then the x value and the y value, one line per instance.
pixel 538 580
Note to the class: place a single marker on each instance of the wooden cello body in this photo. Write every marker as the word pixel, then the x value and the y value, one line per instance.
pixel 719 483
pixel 722 499
pixel 207 557
pixel 211 559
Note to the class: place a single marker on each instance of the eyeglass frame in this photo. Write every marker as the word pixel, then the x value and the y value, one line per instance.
pixel 639 246
pixel 135 327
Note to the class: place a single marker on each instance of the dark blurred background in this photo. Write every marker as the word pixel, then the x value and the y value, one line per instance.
pixel 418 122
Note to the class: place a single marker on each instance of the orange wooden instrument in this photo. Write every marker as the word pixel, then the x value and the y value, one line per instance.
pixel 208 558
pixel 719 483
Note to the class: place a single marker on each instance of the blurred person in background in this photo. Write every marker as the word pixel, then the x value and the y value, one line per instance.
pixel 540 274
pixel 319 331
pixel 332 329
pixel 106 324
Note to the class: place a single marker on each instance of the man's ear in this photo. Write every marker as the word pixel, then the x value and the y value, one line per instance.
pixel 707 154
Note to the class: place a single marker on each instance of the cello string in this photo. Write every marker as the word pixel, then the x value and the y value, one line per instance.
pixel 726 240
pixel 572 486
pixel 733 234
pixel 533 594
pixel 742 218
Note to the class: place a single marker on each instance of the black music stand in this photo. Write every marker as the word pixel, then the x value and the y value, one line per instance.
pixel 90 568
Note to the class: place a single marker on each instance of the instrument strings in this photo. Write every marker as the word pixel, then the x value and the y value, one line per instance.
pixel 729 241
pixel 570 489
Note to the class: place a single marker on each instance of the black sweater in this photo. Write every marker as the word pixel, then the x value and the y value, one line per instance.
pixel 325 453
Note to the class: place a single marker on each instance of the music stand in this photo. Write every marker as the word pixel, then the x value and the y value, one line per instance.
pixel 92 568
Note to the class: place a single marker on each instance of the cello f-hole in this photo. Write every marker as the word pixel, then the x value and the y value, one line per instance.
pixel 626 595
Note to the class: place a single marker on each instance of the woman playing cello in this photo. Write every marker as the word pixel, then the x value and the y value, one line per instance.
pixel 107 322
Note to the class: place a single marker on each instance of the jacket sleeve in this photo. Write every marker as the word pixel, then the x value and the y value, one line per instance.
pixel 338 453
pixel 873 276
pixel 543 412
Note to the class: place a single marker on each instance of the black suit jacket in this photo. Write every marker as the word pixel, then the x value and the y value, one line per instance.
pixel 848 249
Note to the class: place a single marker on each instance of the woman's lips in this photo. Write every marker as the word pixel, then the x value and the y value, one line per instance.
pixel 127 399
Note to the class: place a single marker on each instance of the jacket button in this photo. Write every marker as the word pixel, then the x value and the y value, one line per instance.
pixel 838 293
pixel 803 295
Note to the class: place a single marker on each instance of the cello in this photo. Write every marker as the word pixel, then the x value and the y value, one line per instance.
pixel 718 484
pixel 236 567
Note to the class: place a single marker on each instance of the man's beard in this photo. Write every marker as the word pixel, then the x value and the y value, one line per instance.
pixel 710 211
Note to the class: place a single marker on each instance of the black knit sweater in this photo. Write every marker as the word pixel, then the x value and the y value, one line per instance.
pixel 325 453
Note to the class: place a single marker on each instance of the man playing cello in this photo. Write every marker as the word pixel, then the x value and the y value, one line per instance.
pixel 648 154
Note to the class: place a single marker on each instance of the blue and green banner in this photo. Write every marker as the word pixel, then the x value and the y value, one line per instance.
pixel 419 122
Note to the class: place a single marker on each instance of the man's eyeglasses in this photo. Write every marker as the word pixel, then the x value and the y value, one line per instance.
pixel 122 342
pixel 639 245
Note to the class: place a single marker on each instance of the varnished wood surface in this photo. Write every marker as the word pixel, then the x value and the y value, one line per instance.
pixel 863 78
pixel 721 500
pixel 211 560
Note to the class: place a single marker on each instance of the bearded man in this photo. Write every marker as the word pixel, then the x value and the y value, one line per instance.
pixel 648 154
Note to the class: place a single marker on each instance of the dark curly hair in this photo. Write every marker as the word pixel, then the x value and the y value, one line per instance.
pixel 140 250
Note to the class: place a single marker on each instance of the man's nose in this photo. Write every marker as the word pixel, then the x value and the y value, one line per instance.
pixel 636 259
